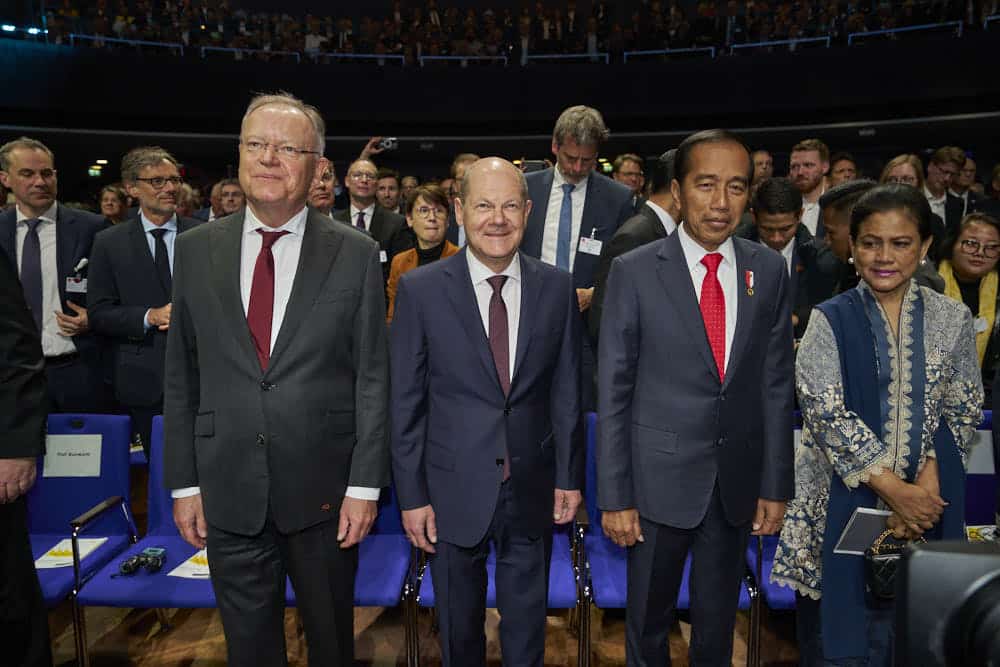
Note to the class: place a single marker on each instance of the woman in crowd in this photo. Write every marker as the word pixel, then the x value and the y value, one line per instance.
pixel 907 169
pixel 887 422
pixel 427 216
pixel 114 203
pixel 969 269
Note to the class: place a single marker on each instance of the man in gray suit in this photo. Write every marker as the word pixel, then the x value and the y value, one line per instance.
pixel 276 395
pixel 695 402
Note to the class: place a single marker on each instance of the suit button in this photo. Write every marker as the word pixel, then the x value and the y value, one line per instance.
pixel 266 386
pixel 721 442
pixel 506 411
pixel 722 397
pixel 260 439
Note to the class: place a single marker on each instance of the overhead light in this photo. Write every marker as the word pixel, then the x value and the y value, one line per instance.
pixel 102 162
pixel 33 31
pixel 94 171
pixel 6 27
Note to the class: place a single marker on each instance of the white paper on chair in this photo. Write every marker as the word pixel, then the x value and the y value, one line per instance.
pixel 61 555
pixel 72 456
pixel 195 567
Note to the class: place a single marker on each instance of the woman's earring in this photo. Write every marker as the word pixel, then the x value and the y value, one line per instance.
pixel 850 260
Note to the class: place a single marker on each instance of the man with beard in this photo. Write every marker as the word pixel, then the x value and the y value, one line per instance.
pixel 808 167
pixel 387 190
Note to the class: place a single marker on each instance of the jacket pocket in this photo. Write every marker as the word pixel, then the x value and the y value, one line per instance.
pixel 654 438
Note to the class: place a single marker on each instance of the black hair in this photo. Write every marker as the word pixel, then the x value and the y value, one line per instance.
pixel 842 197
pixel 893 197
pixel 951 238
pixel 682 160
pixel 842 155
pixel 660 172
pixel 775 196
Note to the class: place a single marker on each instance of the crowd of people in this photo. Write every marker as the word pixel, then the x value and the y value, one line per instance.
pixel 539 28
pixel 686 299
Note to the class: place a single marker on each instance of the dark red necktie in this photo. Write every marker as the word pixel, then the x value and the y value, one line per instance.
pixel 500 345
pixel 713 310
pixel 261 309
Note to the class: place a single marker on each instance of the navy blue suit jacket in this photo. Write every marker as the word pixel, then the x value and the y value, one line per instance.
pixel 608 205
pixel 75 232
pixel 450 418
pixel 123 285
pixel 669 430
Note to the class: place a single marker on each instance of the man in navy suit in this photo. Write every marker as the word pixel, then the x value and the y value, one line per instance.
pixel 695 400
pixel 131 273
pixel 486 433
pixel 576 211
pixel 50 245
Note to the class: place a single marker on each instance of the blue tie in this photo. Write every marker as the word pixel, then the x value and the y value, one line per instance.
pixel 565 227
pixel 31 271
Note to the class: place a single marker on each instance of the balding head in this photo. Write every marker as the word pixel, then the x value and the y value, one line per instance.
pixel 493 208
pixel 494 165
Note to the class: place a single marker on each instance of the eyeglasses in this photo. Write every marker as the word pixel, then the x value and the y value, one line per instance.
pixel 972 247
pixel 426 211
pixel 363 176
pixel 902 180
pixel 284 151
pixel 159 181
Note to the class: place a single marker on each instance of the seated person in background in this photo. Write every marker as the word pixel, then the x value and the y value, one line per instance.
pixel 969 269
pixel 427 216
pixel 114 203
pixel 776 211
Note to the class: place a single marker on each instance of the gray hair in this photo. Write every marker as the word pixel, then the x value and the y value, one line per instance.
pixel 143 157
pixel 22 143
pixel 584 125
pixel 286 99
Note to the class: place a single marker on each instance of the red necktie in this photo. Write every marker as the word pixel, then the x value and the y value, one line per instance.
pixel 261 309
pixel 499 345
pixel 713 311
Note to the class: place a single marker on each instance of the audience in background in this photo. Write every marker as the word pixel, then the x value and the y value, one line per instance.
pixel 843 168
pixel 627 170
pixel 114 203
pixel 942 168
pixel 808 167
pixel 387 189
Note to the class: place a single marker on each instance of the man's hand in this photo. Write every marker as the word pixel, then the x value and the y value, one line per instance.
pixel 72 325
pixel 160 317
pixel 371 148
pixel 584 295
pixel 356 519
pixel 622 527
pixel 567 502
pixel 770 514
pixel 189 516
pixel 16 477
pixel 421 528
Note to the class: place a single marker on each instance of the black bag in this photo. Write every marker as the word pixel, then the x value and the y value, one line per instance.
pixel 881 563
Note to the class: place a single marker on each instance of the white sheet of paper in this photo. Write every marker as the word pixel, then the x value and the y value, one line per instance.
pixel 195 567
pixel 590 246
pixel 61 555
pixel 865 525
pixel 72 456
pixel 383 256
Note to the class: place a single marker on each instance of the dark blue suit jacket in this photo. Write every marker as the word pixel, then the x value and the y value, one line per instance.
pixel 669 429
pixel 450 418
pixel 123 285
pixel 608 205
pixel 75 232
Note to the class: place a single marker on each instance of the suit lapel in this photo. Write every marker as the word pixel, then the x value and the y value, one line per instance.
pixel 676 280
pixel 463 299
pixel 378 221
pixel 226 241
pixel 320 245
pixel 530 291
pixel 532 243
pixel 746 256
pixel 10 235
pixel 145 265
pixel 66 241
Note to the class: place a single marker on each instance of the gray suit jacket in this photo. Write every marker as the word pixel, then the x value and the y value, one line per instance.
pixel 295 436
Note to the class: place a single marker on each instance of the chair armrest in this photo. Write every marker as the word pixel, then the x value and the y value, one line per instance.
pixel 85 519
pixel 81 522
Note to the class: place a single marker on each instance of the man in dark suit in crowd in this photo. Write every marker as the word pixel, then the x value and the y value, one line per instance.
pixel 486 422
pixel 656 219
pixel 276 396
pixel 943 168
pixel 813 271
pixel 214 208
pixel 576 211
pixel 24 621
pixel 961 189
pixel 627 169
pixel 50 244
pixel 131 272
pixel 388 228
pixel 695 400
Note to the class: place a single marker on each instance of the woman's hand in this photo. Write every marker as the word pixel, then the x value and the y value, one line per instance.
pixel 917 507
pixel 928 477
pixel 899 529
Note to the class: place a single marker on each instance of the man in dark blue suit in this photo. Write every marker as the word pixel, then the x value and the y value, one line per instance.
pixel 695 400
pixel 486 432
pixel 576 211
pixel 50 245
pixel 131 273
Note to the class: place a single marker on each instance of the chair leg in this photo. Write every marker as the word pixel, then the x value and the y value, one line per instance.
pixel 163 619
pixel 583 635
pixel 80 634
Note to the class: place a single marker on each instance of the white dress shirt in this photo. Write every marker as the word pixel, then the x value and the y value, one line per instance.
pixel 286 251
pixel 511 295
pixel 54 343
pixel 787 253
pixel 937 203
pixel 550 235
pixel 810 216
pixel 168 240
pixel 369 212
pixel 726 274
pixel 669 224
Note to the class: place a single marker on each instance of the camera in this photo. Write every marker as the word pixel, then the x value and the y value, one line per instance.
pixel 389 144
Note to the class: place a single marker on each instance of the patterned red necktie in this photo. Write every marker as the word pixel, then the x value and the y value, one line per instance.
pixel 713 311
pixel 261 308
pixel 500 345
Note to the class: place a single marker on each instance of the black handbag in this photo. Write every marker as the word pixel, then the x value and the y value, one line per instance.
pixel 881 563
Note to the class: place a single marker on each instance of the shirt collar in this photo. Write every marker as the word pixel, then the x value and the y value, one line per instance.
pixel 932 199
pixel 479 272
pixel 558 180
pixel 147 226
pixel 369 211
pixel 295 225
pixel 693 252
pixel 48 216
pixel 668 221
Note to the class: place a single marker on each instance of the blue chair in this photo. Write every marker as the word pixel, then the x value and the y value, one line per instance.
pixel 62 508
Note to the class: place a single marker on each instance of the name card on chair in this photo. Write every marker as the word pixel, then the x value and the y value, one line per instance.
pixel 72 456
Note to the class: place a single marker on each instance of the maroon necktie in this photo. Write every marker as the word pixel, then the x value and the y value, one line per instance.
pixel 500 345
pixel 261 309
pixel 713 311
